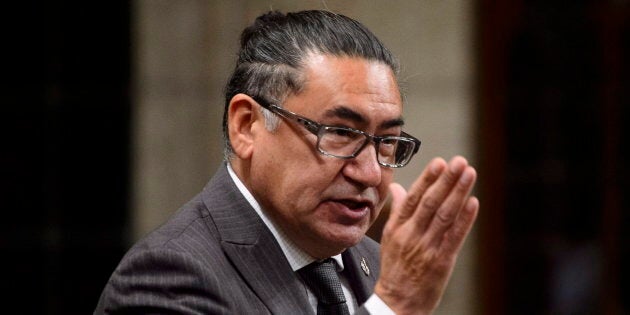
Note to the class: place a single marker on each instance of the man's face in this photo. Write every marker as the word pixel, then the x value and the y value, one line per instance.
pixel 326 204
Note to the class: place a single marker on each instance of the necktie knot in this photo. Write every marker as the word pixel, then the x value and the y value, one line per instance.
pixel 322 279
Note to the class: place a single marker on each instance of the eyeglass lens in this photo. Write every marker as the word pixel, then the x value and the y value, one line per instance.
pixel 342 142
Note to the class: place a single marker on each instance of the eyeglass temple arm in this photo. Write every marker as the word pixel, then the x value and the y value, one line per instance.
pixel 310 125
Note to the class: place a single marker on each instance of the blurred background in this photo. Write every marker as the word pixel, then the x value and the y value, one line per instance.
pixel 112 120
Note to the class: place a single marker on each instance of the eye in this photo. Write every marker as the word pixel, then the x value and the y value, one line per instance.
pixel 339 132
pixel 342 133
pixel 387 147
pixel 340 137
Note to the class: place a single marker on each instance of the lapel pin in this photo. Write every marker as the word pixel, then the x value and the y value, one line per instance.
pixel 365 267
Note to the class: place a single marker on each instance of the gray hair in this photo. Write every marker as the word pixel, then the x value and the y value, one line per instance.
pixel 274 50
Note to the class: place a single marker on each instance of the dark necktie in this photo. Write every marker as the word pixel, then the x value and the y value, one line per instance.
pixel 323 280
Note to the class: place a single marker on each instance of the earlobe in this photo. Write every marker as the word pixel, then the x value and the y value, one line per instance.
pixel 241 122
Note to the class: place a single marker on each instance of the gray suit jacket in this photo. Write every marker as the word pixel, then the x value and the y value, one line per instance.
pixel 216 256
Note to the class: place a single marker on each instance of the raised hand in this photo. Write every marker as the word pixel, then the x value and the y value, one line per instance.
pixel 424 234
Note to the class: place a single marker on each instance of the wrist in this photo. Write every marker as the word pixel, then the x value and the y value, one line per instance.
pixel 399 301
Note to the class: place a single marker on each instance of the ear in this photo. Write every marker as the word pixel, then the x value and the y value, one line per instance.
pixel 242 120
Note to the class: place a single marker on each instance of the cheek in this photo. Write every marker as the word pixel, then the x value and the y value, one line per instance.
pixel 387 178
pixel 306 182
pixel 383 188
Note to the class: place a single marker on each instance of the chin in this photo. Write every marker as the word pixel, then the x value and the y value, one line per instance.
pixel 345 237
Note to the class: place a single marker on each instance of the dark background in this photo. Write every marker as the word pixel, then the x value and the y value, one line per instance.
pixel 552 86
pixel 553 140
pixel 65 153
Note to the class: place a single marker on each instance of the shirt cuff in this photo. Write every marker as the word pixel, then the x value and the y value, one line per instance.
pixel 374 305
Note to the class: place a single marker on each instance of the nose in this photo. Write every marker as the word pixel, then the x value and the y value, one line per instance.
pixel 364 168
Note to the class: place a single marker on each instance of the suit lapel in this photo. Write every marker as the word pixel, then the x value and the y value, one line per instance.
pixel 361 269
pixel 252 248
pixel 270 276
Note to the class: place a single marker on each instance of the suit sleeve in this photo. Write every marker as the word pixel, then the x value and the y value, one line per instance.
pixel 162 281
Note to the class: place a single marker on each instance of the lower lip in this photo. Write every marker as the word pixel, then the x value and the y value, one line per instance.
pixel 348 215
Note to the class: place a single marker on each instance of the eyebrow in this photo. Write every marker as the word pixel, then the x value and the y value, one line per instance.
pixel 349 114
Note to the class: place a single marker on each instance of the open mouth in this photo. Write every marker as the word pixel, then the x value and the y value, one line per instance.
pixel 355 205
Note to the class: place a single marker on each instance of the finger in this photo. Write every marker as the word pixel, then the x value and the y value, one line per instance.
pixel 429 175
pixel 462 226
pixel 436 194
pixel 450 209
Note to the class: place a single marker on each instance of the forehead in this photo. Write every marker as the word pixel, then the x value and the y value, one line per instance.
pixel 366 87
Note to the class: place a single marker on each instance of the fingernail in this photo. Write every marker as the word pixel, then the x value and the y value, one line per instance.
pixel 466 177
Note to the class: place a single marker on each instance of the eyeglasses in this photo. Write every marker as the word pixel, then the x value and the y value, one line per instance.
pixel 347 143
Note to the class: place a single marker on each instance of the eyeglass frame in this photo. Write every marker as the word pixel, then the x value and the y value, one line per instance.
pixel 315 128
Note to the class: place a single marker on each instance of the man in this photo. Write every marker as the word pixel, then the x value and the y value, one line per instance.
pixel 313 129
